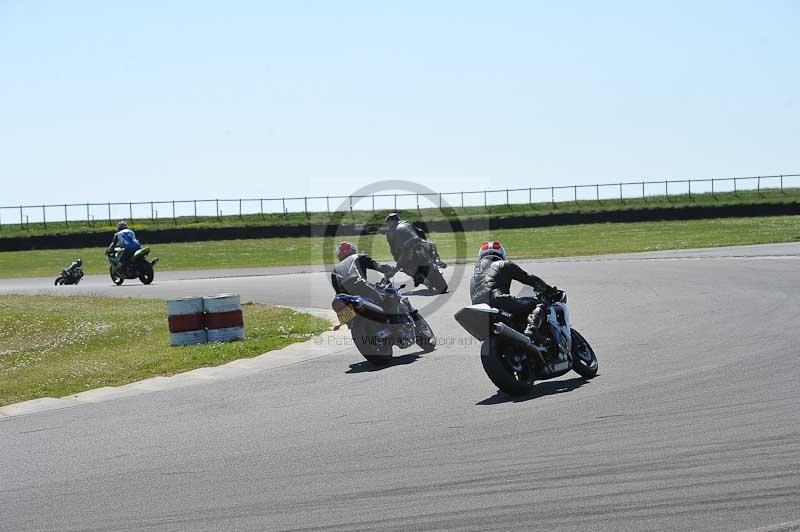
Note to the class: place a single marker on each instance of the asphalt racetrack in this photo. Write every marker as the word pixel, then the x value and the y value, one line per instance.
pixel 692 424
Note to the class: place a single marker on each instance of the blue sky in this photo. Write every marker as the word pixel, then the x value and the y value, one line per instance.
pixel 175 100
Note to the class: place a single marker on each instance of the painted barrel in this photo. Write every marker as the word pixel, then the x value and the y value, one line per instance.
pixel 186 323
pixel 223 318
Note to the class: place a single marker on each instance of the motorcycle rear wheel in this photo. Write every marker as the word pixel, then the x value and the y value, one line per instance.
pixel 435 281
pixel 507 374
pixel 373 351
pixel 60 280
pixel 584 361
pixel 146 273
pixel 118 280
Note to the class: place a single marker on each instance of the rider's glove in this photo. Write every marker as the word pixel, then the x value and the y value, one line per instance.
pixel 387 270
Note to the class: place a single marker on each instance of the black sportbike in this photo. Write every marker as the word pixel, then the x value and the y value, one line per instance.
pixel 424 266
pixel 512 360
pixel 72 276
pixel 137 267
pixel 376 329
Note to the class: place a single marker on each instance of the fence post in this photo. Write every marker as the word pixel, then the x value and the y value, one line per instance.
pixel 440 201
pixel 621 200
pixel 485 203
pixel 395 202
pixel 216 207
pixel 261 207
pixel 553 196
pixel 88 219
pixel 44 217
pixel 508 204
pixel 530 196
pixel 644 198
pixel 130 212
pixel 758 185
pixel 373 202
pixel 418 205
pixel 350 202
pixel 174 217
pixel 283 203
pixel 305 206
pixel 151 212
pixel 735 189
pixel 21 220
pixel 597 191
pixel 782 192
pixel 328 204
pixel 666 189
pixel 240 209
pixel 575 193
pixel 109 212
pixel 690 188
pixel 195 209
pixel 713 192
pixel 66 218
pixel 462 200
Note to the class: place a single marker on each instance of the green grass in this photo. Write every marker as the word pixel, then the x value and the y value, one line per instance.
pixel 427 214
pixel 56 346
pixel 589 239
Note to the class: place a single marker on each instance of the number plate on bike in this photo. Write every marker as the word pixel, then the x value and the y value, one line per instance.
pixel 346 314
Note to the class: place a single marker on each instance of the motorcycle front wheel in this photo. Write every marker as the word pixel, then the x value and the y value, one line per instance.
pixel 118 280
pixel 509 371
pixel 584 361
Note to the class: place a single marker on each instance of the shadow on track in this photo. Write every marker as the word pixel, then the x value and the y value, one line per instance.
pixel 539 390
pixel 365 367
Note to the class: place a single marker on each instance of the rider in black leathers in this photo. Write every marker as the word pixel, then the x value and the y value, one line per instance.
pixel 491 284
pixel 403 238
pixel 349 276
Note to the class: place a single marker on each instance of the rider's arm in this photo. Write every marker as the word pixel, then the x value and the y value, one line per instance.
pixel 371 264
pixel 520 275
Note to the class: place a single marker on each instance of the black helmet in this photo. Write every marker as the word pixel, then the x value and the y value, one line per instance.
pixel 392 218
pixel 122 224
pixel 79 262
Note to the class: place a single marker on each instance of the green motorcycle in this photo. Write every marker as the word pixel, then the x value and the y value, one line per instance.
pixel 137 267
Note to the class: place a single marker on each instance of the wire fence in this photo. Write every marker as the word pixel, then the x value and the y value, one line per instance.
pixel 62 215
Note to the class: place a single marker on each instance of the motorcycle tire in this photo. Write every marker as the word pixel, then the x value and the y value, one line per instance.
pixel 426 339
pixel 60 280
pixel 118 280
pixel 374 353
pixel 435 281
pixel 514 381
pixel 146 273
pixel 584 361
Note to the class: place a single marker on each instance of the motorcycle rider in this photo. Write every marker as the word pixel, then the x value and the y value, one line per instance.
pixel 403 237
pixel 491 284
pixel 73 268
pixel 124 238
pixel 349 276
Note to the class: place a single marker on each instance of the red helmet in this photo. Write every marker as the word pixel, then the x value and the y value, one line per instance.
pixel 492 248
pixel 345 249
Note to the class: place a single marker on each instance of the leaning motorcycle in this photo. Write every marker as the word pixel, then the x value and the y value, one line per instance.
pixel 137 267
pixel 72 276
pixel 376 329
pixel 512 360
pixel 424 266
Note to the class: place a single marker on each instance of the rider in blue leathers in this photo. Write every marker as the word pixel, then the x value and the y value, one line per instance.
pixel 126 239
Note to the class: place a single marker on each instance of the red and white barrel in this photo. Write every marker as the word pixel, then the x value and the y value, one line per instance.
pixel 186 323
pixel 223 318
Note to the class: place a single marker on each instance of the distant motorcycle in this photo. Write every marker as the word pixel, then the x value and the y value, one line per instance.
pixel 512 360
pixel 376 330
pixel 424 266
pixel 138 266
pixel 71 276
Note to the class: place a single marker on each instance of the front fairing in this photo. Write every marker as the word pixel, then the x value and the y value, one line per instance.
pixel 560 327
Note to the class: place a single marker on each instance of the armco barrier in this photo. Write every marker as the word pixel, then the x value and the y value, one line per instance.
pixel 88 240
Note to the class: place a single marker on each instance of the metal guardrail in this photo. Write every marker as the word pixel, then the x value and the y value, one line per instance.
pixel 108 212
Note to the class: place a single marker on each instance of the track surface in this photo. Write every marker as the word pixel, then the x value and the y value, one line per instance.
pixel 693 423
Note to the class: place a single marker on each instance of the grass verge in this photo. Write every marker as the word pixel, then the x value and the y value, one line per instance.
pixel 543 242
pixel 57 346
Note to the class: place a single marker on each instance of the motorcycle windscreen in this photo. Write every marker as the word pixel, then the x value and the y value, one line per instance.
pixel 477 320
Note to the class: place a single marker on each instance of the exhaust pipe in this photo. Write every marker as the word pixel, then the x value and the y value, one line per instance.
pixel 501 329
